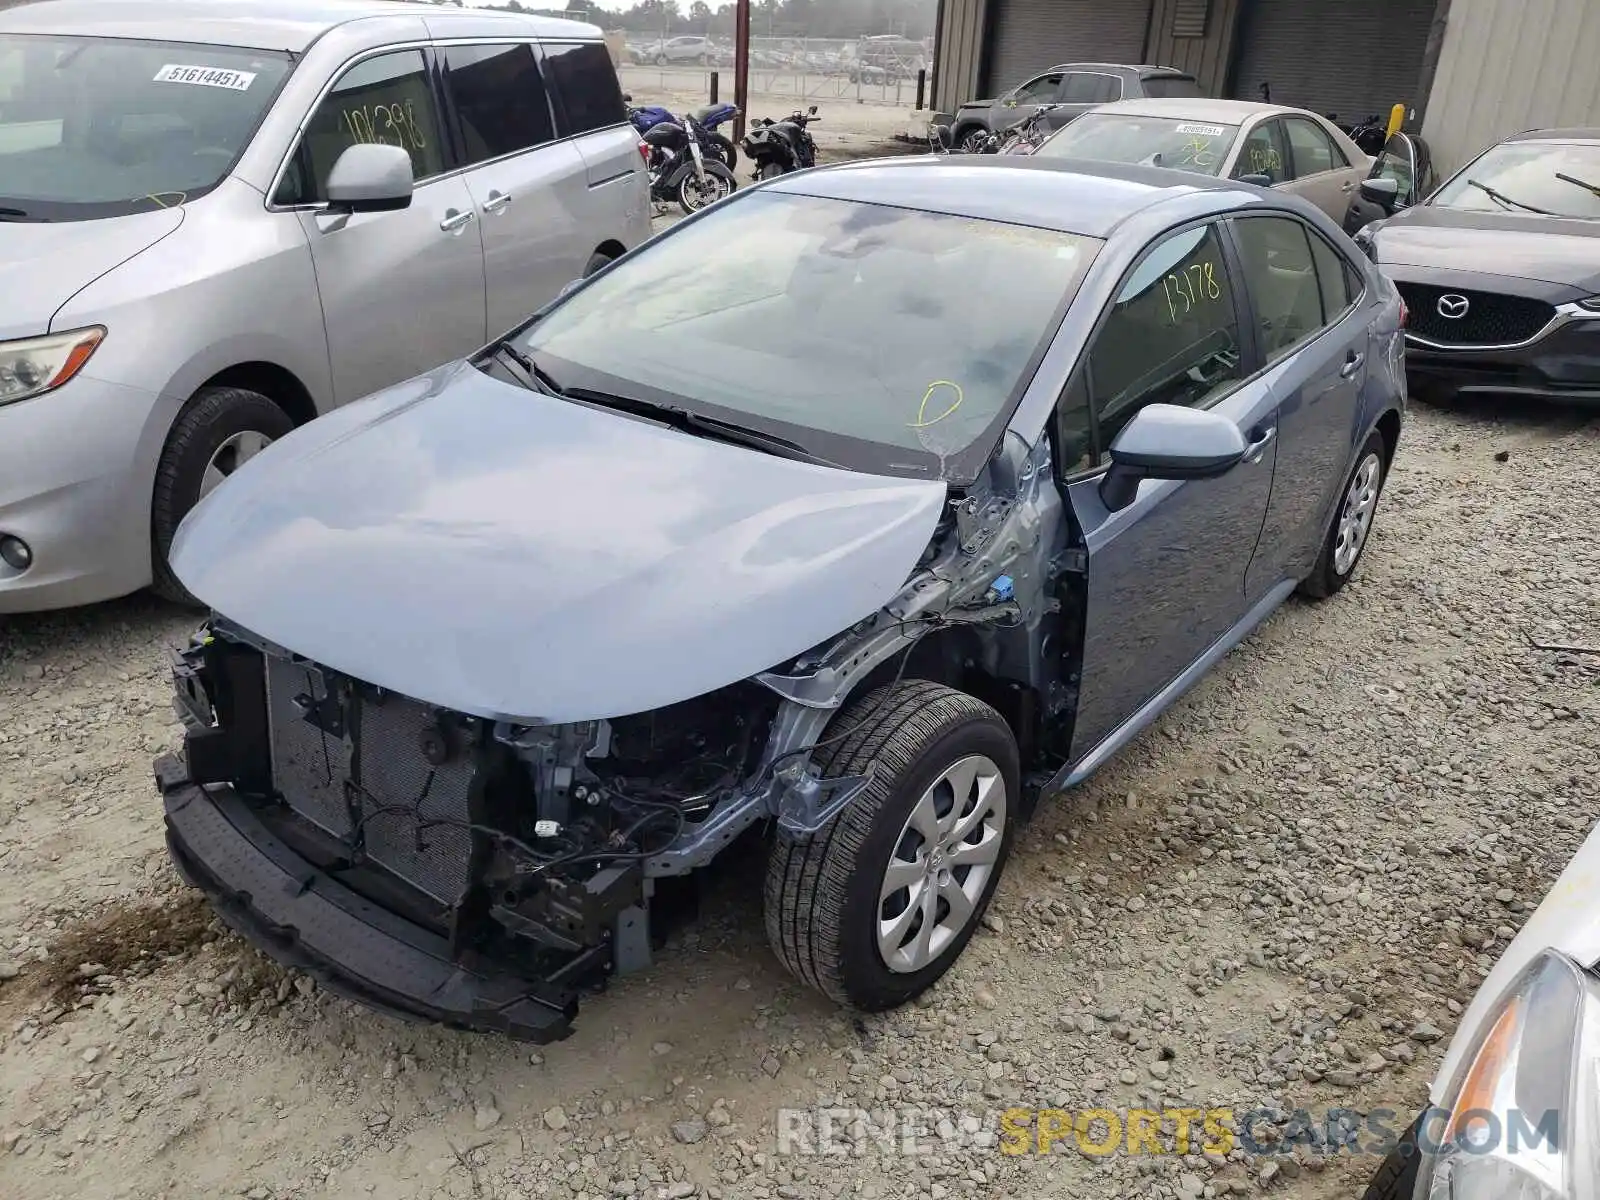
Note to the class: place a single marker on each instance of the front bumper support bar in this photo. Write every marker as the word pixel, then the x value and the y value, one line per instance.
pixel 303 917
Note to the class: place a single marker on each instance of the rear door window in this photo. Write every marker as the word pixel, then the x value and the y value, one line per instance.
pixel 499 99
pixel 585 85
pixel 1338 279
pixel 1042 90
pixel 1086 87
pixel 1264 153
pixel 1282 277
pixel 1313 151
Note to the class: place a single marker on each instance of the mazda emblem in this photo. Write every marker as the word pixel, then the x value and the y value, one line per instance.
pixel 1453 307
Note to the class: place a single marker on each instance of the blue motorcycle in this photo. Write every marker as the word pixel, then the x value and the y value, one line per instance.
pixel 708 117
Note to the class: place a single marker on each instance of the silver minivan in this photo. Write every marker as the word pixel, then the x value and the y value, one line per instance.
pixel 220 218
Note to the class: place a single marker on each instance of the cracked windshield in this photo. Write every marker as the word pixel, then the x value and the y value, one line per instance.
pixel 836 322
pixel 101 127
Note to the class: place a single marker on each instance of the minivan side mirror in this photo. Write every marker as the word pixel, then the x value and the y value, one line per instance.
pixel 1168 441
pixel 1257 179
pixel 1381 191
pixel 370 178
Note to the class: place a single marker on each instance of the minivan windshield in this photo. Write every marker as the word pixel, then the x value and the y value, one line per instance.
pixel 1555 179
pixel 1182 145
pixel 884 339
pixel 99 127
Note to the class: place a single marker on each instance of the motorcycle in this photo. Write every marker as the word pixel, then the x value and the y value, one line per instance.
pixel 646 117
pixel 685 166
pixel 1370 136
pixel 1028 134
pixel 779 147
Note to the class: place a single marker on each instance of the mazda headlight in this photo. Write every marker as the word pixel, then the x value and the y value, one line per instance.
pixel 1518 1118
pixel 34 366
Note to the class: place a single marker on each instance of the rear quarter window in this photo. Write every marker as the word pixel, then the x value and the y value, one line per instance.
pixel 585 83
pixel 1162 86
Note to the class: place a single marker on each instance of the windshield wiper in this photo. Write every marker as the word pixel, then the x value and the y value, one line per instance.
pixel 527 372
pixel 686 421
pixel 1506 201
pixel 13 214
pixel 1576 182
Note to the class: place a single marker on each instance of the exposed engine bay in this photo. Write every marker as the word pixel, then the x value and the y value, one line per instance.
pixel 520 862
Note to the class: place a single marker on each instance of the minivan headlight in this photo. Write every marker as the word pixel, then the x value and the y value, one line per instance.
pixel 1518 1120
pixel 33 366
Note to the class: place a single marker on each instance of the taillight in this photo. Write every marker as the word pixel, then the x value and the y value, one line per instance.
pixel 1405 314
pixel 644 152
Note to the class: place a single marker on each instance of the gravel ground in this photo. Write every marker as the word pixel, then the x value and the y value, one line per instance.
pixel 1281 895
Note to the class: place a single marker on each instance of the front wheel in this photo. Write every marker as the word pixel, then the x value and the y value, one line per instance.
pixel 878 904
pixel 695 193
pixel 1347 537
pixel 661 60
pixel 972 141
pixel 218 431
pixel 770 170
pixel 726 148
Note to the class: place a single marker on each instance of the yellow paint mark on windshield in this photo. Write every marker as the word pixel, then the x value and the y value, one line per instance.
pixel 922 421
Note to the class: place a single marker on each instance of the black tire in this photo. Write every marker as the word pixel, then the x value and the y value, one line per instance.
pixel 661 60
pixel 730 153
pixel 770 170
pixel 1326 578
pixel 822 895
pixel 207 421
pixel 686 187
pixel 970 140
pixel 1396 1177
pixel 596 260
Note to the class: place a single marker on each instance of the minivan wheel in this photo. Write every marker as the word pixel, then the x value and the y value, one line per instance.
pixel 1353 515
pixel 876 906
pixel 596 260
pixel 218 431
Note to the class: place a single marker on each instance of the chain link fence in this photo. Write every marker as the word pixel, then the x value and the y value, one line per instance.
pixel 868 70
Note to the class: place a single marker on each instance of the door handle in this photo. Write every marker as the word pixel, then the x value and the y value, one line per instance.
pixel 1352 365
pixel 455 218
pixel 1255 450
pixel 1347 185
pixel 496 201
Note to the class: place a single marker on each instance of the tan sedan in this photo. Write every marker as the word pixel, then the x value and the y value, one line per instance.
pixel 1287 148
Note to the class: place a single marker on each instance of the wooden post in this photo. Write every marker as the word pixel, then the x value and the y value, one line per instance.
pixel 741 64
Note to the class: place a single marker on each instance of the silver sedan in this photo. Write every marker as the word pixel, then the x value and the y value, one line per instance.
pixel 1286 148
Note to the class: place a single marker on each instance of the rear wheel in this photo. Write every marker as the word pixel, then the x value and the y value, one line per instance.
pixel 878 904
pixel 596 260
pixel 661 60
pixel 770 170
pixel 1352 523
pixel 730 155
pixel 218 431
pixel 695 193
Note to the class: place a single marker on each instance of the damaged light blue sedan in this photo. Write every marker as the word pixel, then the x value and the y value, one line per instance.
pixel 849 516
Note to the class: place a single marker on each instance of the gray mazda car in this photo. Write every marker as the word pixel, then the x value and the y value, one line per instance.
pixel 765 533
pixel 1500 270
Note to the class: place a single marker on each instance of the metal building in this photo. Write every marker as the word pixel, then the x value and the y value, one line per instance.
pixel 1470 71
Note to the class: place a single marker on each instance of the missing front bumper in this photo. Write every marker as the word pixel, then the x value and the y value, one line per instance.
pixel 303 917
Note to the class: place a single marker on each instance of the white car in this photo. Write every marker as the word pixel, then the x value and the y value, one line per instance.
pixel 1287 148
pixel 1514 1108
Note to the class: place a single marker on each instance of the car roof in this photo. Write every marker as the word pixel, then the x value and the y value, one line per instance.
pixel 290 25
pixel 1200 108
pixel 1090 199
pixel 1576 133
pixel 1141 68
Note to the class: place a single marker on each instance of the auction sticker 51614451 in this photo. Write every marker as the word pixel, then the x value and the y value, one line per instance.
pixel 234 81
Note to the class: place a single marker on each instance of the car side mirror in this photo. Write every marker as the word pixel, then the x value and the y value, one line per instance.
pixel 1258 180
pixel 370 178
pixel 1381 191
pixel 1167 441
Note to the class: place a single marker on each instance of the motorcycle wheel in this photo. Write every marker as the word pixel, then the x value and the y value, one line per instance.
pixel 770 170
pixel 972 141
pixel 693 195
pixel 730 154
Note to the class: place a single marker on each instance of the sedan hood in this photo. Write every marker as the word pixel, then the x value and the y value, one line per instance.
pixel 515 556
pixel 1527 247
pixel 45 264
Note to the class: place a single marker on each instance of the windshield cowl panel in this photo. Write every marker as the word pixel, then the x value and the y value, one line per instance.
pixel 884 339
pixel 1550 179
pixel 104 127
pixel 1181 145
